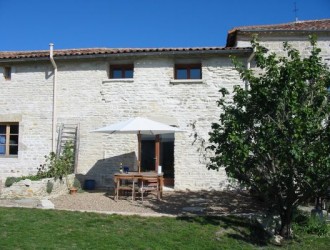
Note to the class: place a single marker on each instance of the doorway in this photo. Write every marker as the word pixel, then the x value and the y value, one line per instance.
pixel 166 153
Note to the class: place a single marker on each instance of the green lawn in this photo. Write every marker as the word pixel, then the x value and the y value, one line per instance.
pixel 50 229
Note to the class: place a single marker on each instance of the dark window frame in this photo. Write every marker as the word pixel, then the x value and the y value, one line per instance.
pixel 188 68
pixel 7 72
pixel 8 133
pixel 122 68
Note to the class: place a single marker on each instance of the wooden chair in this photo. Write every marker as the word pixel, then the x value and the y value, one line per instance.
pixel 125 184
pixel 149 184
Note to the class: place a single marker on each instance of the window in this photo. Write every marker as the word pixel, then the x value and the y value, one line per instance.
pixel 188 71
pixel 8 139
pixel 121 71
pixel 7 73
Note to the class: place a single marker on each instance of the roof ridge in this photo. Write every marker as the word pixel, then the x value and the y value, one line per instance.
pixel 108 48
pixel 279 24
pixel 104 51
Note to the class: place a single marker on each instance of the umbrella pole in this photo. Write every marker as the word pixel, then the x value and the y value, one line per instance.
pixel 157 153
pixel 139 152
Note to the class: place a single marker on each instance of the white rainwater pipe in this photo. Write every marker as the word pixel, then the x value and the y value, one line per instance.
pixel 54 118
pixel 248 66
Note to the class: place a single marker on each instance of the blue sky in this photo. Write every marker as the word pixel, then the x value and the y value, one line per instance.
pixel 33 24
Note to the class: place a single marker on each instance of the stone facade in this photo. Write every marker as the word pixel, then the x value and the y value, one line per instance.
pixel 36 189
pixel 86 95
pixel 27 99
pixel 274 42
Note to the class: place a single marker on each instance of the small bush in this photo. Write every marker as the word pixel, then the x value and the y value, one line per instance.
pixel 30 177
pixel 10 181
pixel 58 166
pixel 49 187
pixel 314 224
pixel 76 183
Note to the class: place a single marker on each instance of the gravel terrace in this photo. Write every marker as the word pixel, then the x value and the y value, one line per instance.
pixel 172 204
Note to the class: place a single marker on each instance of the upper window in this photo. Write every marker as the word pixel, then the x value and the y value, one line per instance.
pixel 8 139
pixel 188 71
pixel 7 73
pixel 121 71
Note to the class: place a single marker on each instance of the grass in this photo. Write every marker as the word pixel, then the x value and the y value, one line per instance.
pixel 51 229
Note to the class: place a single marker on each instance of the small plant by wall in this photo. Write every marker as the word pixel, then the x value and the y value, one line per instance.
pixel 59 166
pixel 46 187
pixel 49 187
pixel 10 181
pixel 55 167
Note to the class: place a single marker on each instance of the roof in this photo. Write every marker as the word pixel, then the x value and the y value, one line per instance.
pixel 103 52
pixel 299 26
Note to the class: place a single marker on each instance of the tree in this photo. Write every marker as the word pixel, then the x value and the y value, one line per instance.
pixel 274 136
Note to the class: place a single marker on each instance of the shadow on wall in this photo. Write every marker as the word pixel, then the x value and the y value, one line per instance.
pixel 103 170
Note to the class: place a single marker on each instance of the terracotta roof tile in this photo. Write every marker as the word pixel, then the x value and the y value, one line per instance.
pixel 106 51
pixel 311 25
pixel 323 24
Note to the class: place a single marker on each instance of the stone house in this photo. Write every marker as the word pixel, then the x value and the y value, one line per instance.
pixel 91 88
pixel 273 36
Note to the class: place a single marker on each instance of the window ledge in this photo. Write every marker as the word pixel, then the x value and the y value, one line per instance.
pixel 188 81
pixel 118 80
pixel 8 156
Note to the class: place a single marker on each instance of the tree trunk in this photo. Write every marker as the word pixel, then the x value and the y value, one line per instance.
pixel 285 230
pixel 286 223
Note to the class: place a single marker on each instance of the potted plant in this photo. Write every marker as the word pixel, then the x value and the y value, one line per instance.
pixel 75 186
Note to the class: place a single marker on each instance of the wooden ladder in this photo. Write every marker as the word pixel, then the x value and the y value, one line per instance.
pixel 67 133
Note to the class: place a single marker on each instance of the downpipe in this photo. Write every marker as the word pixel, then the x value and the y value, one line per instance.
pixel 54 117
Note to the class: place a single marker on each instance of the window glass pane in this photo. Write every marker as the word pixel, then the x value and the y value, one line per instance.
pixel 2 150
pixel 13 150
pixel 7 73
pixel 2 129
pixel 13 139
pixel 195 73
pixel 14 129
pixel 2 139
pixel 116 73
pixel 181 74
pixel 128 73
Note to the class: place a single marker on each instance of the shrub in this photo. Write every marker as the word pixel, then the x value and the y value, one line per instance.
pixel 58 166
pixel 10 181
pixel 311 224
pixel 49 187
pixel 316 225
pixel 30 177
pixel 76 183
pixel 55 167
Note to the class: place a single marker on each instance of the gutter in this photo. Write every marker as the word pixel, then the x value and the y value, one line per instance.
pixel 54 118
pixel 133 54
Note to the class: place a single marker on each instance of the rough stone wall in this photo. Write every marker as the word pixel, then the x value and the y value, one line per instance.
pixel 96 101
pixel 36 189
pixel 27 99
pixel 86 96
pixel 275 44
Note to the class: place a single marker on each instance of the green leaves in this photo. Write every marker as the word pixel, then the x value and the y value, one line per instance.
pixel 59 166
pixel 275 136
